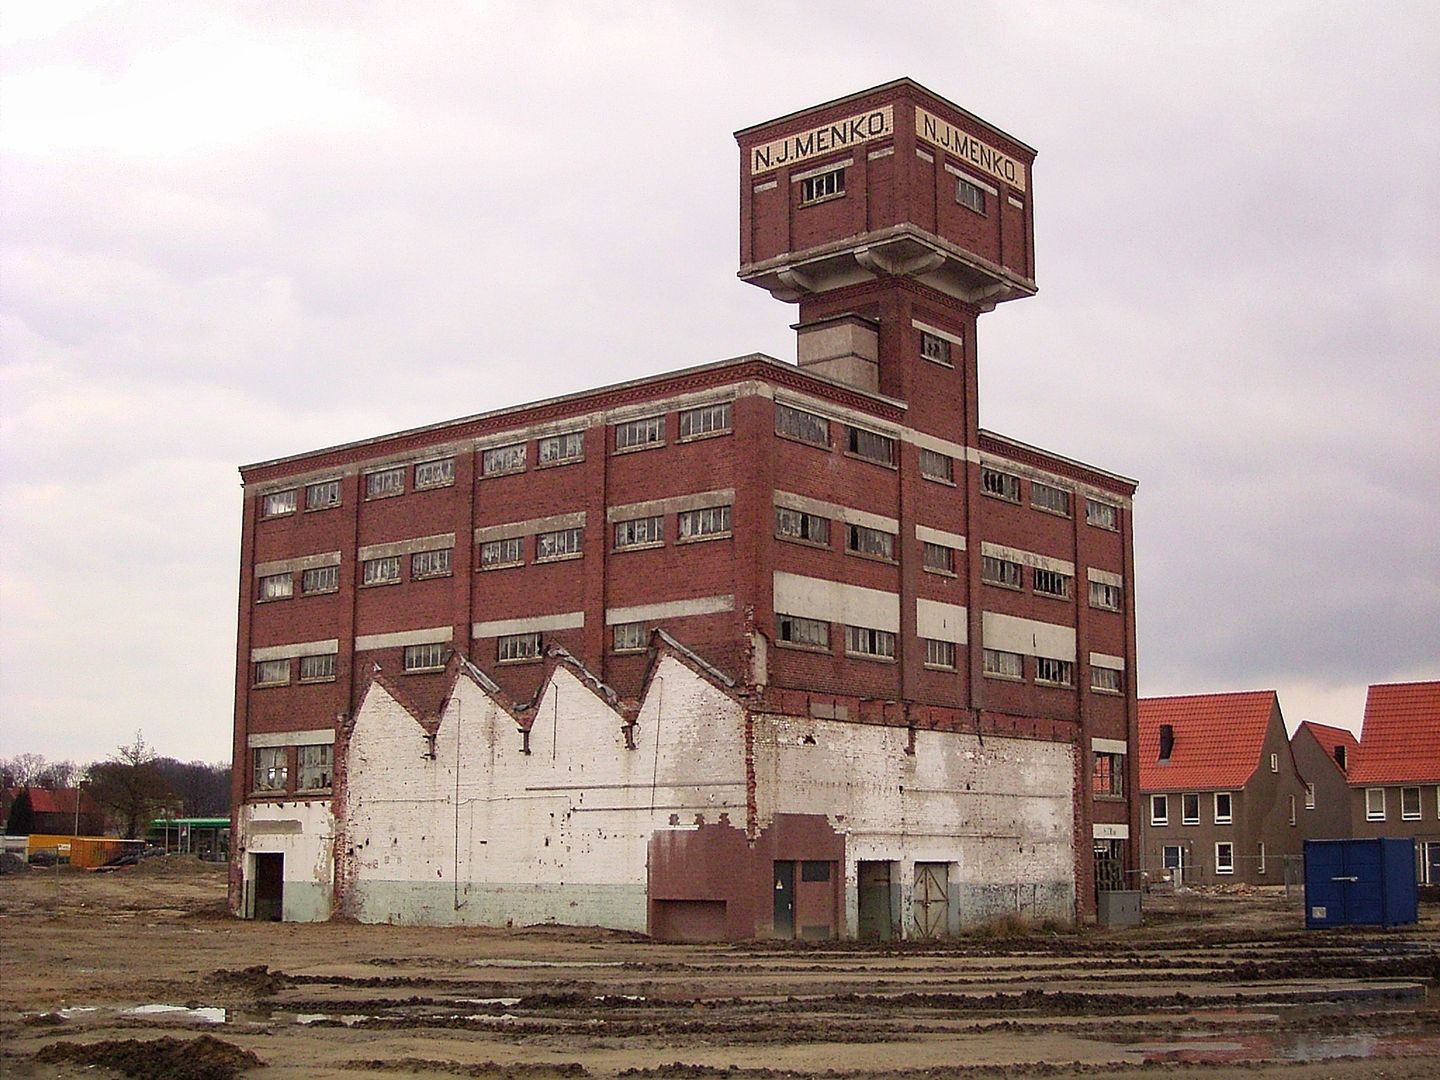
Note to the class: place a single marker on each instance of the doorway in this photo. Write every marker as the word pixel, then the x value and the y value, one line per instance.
pixel 874 889
pixel 784 900
pixel 930 899
pixel 269 886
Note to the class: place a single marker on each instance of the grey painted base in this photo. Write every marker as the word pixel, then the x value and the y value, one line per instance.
pixel 976 903
pixel 408 903
pixel 306 901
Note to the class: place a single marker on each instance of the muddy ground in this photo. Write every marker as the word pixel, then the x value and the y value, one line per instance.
pixel 142 973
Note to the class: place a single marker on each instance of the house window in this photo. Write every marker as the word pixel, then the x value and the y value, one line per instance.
pixel 320 579
pixel 934 348
pixel 1002 572
pixel 430 657
pixel 638 434
pixel 559 449
pixel 497 553
pixel 434 474
pixel 802 527
pixel 937 466
pixel 1224 857
pixel 1375 804
pixel 1107 776
pixel 1102 515
pixel 868 642
pixel 1002 665
pixel 1409 804
pixel 1309 796
pixel 272 769
pixel 272 673
pixel 1045 497
pixel 802 633
pixel 515 647
pixel 1274 762
pixel 870 446
pixel 1190 808
pixel 386 482
pixel 427 564
pixel 560 544
pixel 1105 680
pixel 640 532
pixel 971 196
pixel 937 558
pixel 384 571
pixel 825 185
pixel 629 637
pixel 322 496
pixel 500 460
pixel 277 586
pixel 1222 808
pixel 312 768
pixel 1104 596
pixel 1159 810
pixel 277 503
pixel 1260 859
pixel 699 524
pixel 317 668
pixel 1054 672
pixel 940 654
pixel 706 420
pixel 805 426
pixel 1000 484
pixel 863 540
pixel 1052 583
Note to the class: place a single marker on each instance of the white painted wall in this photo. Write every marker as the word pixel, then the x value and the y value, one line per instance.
pixel 304 832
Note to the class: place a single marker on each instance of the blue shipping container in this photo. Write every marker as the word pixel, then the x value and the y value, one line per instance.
pixel 1360 882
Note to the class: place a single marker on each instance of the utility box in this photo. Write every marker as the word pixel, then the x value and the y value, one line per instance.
pixel 1360 882
pixel 1118 907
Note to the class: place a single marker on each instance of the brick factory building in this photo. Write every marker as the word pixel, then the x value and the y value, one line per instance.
pixel 752 648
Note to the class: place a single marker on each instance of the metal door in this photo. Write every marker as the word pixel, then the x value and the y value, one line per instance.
pixel 785 899
pixel 930 899
pixel 874 889
pixel 1432 863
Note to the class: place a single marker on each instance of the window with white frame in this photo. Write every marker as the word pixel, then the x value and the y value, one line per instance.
pixel 826 185
pixel 629 637
pixel 1309 796
pixel 497 553
pixel 560 449
pixel 1274 762
pixel 1052 583
pixel 277 503
pixel 1106 680
pixel 560 544
pixel 866 641
pixel 1159 810
pixel 1048 497
pixel 272 672
pixel 799 424
pixel 802 633
pixel 1107 777
pixel 863 540
pixel 320 579
pixel 383 571
pixel 1102 515
pixel 515 647
pixel 1260 859
pixel 705 420
pixel 801 527
pixel 319 668
pixel 937 558
pixel 277 586
pixel 1002 485
pixel 1222 808
pixel 937 466
pixel 501 460
pixel 707 522
pixel 1224 857
pixel 435 474
pixel 935 348
pixel 1105 596
pixel 428 564
pixel 1293 817
pixel 999 664
pixel 1375 804
pixel 869 445
pixel 969 195
pixel 640 532
pixel 322 495
pixel 385 482
pixel 637 434
pixel 312 767
pixel 272 768
pixel 1409 804
pixel 430 657
pixel 1190 808
pixel 1054 672
pixel 1002 572
pixel 939 654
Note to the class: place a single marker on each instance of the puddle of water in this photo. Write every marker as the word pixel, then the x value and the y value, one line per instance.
pixel 546 963
pixel 1297 1046
pixel 179 1012
pixel 348 1019
pixel 507 1002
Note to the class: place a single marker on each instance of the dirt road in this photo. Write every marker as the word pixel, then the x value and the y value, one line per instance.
pixel 144 969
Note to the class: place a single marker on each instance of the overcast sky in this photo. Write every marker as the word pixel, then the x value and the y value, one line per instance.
pixel 233 232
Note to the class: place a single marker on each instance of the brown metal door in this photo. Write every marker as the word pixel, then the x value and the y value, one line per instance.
pixel 930 899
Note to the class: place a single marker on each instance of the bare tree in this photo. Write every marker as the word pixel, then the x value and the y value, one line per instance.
pixel 130 787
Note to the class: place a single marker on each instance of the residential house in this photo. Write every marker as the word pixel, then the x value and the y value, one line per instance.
pixel 1395 781
pixel 1322 754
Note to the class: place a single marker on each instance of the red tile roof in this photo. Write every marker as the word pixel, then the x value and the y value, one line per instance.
pixel 1218 739
pixel 1400 741
pixel 1329 738
pixel 59 801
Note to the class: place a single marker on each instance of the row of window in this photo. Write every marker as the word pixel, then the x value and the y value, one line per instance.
pixel 313 669
pixel 271 771
pixel 1008 574
pixel 1222 812
pixel 1054 500
pixel 1410 804
pixel 830 184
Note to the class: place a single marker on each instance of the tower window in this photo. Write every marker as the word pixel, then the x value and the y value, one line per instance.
pixel 825 185
pixel 970 196
pixel 935 348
